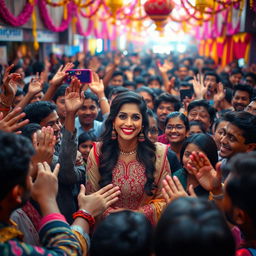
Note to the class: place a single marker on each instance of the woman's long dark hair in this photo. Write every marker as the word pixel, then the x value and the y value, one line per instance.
pixel 206 143
pixel 110 150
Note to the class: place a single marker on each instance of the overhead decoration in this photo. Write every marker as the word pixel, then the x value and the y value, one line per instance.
pixel 23 17
pixel 158 11
pixel 114 6
pixel 201 5
pixel 109 18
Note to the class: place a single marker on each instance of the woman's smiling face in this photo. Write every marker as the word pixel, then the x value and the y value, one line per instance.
pixel 175 130
pixel 128 122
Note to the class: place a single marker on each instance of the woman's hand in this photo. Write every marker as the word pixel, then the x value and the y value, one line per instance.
pixel 207 176
pixel 173 189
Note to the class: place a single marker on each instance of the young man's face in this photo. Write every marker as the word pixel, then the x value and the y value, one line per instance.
pixel 154 84
pixel 233 141
pixel 183 72
pixel 235 79
pixel 240 100
pixel 53 121
pixel 211 80
pixel 88 112
pixel 163 110
pixel 117 80
pixel 61 108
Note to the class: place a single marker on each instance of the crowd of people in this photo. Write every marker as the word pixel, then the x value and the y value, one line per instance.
pixel 153 156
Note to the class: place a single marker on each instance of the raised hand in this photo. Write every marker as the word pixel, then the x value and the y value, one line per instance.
pixel 11 122
pixel 44 142
pixel 45 188
pixel 129 74
pixel 200 88
pixel 207 176
pixel 99 201
pixel 7 72
pixel 73 96
pixel 172 189
pixel 117 59
pixel 163 68
pixel 35 86
pixel 220 95
pixel 10 86
pixel 61 74
pixel 97 86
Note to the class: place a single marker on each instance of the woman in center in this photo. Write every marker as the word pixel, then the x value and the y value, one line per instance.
pixel 127 158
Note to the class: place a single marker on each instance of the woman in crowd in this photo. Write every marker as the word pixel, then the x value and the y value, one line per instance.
pixel 127 158
pixel 176 129
pixel 196 127
pixel 200 143
pixel 85 143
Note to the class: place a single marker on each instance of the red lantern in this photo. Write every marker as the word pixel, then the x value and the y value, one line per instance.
pixel 158 11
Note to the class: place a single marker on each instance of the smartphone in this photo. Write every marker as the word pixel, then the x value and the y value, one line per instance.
pixel 241 63
pixel 84 75
pixel 186 93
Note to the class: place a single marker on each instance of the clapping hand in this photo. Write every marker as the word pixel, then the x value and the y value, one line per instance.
pixel 96 203
pixel 44 142
pixel 207 176
pixel 45 188
pixel 11 122
pixel 172 189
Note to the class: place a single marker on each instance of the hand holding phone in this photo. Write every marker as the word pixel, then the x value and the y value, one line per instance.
pixel 84 75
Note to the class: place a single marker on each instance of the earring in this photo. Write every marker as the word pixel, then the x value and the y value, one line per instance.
pixel 113 134
pixel 141 137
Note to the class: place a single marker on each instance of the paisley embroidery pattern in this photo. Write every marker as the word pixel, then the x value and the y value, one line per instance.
pixel 131 178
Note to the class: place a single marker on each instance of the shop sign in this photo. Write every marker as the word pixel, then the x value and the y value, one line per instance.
pixel 11 34
pixel 46 36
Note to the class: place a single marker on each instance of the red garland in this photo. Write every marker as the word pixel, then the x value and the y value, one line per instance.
pixel 23 17
pixel 48 21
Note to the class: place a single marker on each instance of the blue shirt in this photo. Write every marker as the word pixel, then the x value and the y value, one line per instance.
pixel 96 130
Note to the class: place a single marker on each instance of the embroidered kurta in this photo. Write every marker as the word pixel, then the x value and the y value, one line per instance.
pixel 129 175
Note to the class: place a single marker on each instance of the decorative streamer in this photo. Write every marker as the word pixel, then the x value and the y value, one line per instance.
pixel 34 32
pixel 61 3
pixel 23 17
pixel 48 21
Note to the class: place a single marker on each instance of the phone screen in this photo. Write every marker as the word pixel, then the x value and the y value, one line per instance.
pixel 241 63
pixel 186 93
pixel 84 75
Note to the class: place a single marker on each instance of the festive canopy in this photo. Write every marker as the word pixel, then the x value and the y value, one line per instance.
pixel 204 19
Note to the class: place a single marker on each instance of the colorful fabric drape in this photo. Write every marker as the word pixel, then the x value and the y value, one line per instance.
pixel 227 48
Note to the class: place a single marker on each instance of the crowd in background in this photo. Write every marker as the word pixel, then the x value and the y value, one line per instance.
pixel 163 190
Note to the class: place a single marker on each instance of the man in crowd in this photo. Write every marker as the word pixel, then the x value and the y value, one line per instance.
pixel 242 95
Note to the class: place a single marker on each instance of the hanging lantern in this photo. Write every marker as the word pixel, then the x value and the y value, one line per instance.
pixel 114 5
pixel 201 5
pixel 158 11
